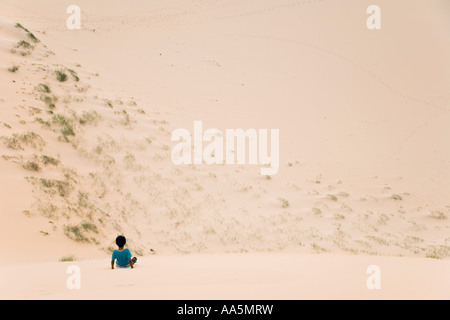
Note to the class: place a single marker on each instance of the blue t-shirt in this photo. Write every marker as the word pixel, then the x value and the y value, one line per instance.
pixel 122 257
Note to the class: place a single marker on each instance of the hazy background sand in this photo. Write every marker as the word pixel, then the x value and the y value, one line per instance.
pixel 363 118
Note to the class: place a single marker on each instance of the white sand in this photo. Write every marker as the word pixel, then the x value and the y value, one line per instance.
pixel 234 276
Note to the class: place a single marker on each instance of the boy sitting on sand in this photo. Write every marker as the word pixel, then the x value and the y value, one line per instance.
pixel 122 255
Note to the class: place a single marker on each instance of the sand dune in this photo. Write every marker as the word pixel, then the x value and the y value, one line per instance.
pixel 235 276
pixel 87 116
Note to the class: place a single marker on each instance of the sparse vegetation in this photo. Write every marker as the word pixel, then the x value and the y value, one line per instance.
pixel 438 252
pixel 83 199
pixel 397 197
pixel 61 76
pixel 45 123
pixel 32 166
pixel 30 138
pixel 24 48
pixel 68 258
pixel 87 226
pixel 49 160
pixel 66 126
pixel 75 233
pixel 13 142
pixel 43 88
pixel 67 131
pixel 73 74
pixel 378 240
pixel 24 44
pixel 317 248
pixel 33 110
pixel 284 202
pixel 414 239
pixel 332 197
pixel 13 69
pixel 383 219
pixel 438 215
pixel 63 188
pixel 49 101
pixel 30 35
pixel 126 117
pixel 90 117
pixel 109 103
pixel 48 210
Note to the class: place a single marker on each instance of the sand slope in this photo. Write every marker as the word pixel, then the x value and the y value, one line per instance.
pixel 234 276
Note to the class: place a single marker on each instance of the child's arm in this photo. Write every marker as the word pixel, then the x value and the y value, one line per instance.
pixel 112 264
pixel 131 263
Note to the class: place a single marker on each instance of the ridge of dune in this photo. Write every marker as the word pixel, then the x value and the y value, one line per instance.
pixel 264 276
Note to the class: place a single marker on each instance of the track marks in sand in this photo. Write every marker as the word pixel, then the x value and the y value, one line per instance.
pixel 440 109
pixel 190 13
pixel 355 65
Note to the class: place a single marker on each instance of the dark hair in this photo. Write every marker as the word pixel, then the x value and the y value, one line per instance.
pixel 120 241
